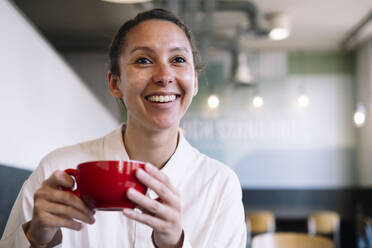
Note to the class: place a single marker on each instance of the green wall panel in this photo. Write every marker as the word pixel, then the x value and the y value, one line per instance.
pixel 321 63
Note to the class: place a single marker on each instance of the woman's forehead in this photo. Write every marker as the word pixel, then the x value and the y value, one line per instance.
pixel 152 33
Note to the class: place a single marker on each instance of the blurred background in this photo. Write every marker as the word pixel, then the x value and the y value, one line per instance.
pixel 284 100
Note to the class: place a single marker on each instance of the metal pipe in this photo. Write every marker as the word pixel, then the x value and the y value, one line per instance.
pixel 254 16
pixel 347 42
pixel 206 28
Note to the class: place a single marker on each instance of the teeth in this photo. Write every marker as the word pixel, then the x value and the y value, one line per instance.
pixel 169 98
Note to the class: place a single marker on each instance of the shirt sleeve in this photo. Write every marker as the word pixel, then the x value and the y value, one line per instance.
pixel 14 236
pixel 230 228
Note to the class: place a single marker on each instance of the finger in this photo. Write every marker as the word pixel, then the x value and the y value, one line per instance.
pixel 50 220
pixel 146 219
pixel 160 189
pixel 161 176
pixel 58 179
pixel 62 197
pixel 142 210
pixel 65 210
pixel 150 206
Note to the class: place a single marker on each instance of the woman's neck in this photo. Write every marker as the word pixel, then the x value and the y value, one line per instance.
pixel 155 147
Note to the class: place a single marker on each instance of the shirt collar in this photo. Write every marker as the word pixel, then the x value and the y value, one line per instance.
pixel 113 145
pixel 175 168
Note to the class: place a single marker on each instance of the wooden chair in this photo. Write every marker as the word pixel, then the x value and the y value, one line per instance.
pixel 290 240
pixel 325 223
pixel 261 221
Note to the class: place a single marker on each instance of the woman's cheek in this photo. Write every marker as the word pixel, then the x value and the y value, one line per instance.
pixel 188 81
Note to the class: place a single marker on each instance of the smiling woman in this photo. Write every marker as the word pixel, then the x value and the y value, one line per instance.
pixel 192 201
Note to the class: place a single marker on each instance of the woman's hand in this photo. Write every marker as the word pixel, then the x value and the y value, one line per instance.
pixel 55 208
pixel 163 214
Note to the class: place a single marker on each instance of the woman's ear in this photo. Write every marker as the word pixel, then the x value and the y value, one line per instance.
pixel 113 83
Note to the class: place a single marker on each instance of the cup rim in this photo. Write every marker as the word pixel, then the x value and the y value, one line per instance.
pixel 116 162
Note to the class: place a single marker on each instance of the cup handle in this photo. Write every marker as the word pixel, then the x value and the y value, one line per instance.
pixel 73 173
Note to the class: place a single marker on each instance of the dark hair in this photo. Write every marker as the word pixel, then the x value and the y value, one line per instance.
pixel 161 14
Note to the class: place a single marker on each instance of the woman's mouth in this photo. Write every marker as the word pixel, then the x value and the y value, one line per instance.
pixel 162 98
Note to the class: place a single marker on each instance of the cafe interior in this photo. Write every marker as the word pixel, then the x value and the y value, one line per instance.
pixel 284 99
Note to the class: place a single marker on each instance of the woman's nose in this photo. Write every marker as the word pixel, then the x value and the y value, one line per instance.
pixel 163 74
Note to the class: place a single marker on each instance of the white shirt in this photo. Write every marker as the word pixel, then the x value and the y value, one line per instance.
pixel 211 197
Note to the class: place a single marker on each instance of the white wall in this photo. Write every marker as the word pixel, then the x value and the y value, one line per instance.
pixel 43 103
pixel 364 95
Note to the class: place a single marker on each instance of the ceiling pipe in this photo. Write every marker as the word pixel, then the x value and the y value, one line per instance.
pixel 206 27
pixel 257 27
pixel 256 20
pixel 351 39
pixel 191 7
pixel 257 24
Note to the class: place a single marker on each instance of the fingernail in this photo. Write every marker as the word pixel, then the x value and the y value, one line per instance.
pixel 92 220
pixel 126 211
pixel 131 192
pixel 140 173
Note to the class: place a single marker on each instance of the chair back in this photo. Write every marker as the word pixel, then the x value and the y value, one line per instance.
pixel 261 221
pixel 11 181
pixel 323 222
pixel 290 240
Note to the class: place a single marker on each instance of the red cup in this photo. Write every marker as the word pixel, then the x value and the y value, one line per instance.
pixel 103 184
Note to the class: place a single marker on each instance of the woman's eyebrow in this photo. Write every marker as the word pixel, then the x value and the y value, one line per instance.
pixel 181 48
pixel 143 48
pixel 148 49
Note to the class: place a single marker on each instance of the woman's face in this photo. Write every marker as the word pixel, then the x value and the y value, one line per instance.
pixel 157 75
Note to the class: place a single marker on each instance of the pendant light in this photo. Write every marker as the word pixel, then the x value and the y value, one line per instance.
pixel 243 73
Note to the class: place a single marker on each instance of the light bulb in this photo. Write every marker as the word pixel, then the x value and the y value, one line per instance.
pixel 257 101
pixel 279 34
pixel 213 101
pixel 243 73
pixel 303 101
pixel 359 118
pixel 360 115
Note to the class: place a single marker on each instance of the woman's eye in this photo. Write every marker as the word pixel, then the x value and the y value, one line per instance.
pixel 179 60
pixel 143 61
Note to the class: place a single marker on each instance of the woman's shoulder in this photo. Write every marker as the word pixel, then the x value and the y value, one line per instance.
pixel 70 156
pixel 84 151
pixel 64 158
pixel 86 147
pixel 77 152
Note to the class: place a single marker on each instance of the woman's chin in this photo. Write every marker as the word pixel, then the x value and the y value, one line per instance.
pixel 165 123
